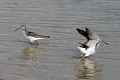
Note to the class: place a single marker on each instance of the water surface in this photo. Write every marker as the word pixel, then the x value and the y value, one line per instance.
pixel 57 58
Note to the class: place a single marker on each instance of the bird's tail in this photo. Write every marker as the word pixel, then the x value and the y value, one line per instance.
pixel 46 36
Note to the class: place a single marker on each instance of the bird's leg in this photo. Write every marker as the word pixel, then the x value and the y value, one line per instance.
pixel 36 43
pixel 32 43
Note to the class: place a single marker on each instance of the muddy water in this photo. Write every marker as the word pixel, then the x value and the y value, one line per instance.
pixel 57 58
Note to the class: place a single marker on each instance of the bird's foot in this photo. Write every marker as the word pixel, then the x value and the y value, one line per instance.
pixel 34 44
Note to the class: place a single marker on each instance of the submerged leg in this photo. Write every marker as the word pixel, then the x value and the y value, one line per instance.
pixel 34 43
pixel 31 43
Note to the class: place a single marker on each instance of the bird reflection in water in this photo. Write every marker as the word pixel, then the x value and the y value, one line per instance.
pixel 31 57
pixel 30 53
pixel 87 70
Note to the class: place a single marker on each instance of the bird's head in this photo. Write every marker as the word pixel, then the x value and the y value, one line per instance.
pixel 23 27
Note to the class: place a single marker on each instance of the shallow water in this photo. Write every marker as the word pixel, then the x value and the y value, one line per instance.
pixel 57 58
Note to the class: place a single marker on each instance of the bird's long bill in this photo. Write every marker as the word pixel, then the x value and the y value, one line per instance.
pixel 17 29
pixel 105 42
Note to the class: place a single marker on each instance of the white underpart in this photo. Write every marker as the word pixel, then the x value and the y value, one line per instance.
pixel 91 49
pixel 87 52
pixel 32 39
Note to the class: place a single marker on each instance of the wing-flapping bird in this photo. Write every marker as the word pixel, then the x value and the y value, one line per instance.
pixel 91 45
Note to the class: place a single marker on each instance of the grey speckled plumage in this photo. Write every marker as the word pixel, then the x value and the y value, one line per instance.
pixel 32 36
pixel 92 43
pixel 28 33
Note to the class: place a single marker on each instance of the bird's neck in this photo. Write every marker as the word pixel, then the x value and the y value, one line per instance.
pixel 25 33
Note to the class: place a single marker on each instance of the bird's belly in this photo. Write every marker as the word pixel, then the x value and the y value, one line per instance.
pixel 91 50
pixel 87 51
pixel 33 38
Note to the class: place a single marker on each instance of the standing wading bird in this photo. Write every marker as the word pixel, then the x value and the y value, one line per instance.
pixel 91 45
pixel 33 37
